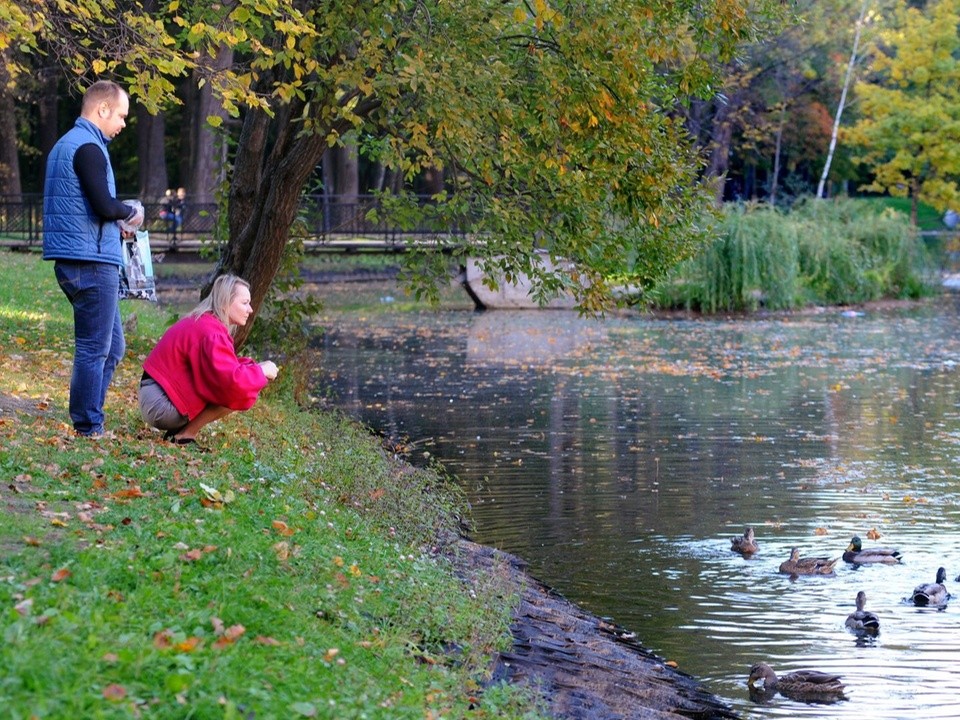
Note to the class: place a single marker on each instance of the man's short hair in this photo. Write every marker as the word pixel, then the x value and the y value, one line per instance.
pixel 101 91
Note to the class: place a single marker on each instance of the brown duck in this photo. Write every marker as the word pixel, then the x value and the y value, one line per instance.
pixel 802 685
pixel 797 565
pixel 863 620
pixel 746 544
pixel 934 593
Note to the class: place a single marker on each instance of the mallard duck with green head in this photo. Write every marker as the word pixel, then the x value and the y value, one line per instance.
pixel 863 620
pixel 802 685
pixel 855 553
pixel 797 565
pixel 746 544
pixel 934 593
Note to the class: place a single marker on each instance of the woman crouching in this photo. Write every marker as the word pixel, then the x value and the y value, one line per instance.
pixel 193 376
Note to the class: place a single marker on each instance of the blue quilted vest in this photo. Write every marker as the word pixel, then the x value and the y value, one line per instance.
pixel 71 229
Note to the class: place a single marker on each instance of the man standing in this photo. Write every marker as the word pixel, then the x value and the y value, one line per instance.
pixel 81 234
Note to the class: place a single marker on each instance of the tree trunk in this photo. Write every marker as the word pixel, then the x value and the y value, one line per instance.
pixel 208 155
pixel 151 154
pixel 722 136
pixel 776 157
pixel 10 183
pixel 347 183
pixel 265 198
pixel 914 201
pixel 843 98
pixel 266 231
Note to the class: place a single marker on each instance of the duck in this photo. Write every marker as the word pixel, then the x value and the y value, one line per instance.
pixel 746 544
pixel 797 565
pixel 934 593
pixel 802 685
pixel 856 554
pixel 863 619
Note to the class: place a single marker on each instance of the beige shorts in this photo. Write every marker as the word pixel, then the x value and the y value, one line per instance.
pixel 156 408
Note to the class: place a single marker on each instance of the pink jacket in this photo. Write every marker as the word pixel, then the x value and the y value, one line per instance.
pixel 196 364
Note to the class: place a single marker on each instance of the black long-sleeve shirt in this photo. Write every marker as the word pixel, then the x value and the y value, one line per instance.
pixel 91 168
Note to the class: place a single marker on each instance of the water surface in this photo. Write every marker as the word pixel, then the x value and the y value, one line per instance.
pixel 618 457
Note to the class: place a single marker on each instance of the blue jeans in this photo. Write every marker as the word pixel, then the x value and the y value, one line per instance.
pixel 93 290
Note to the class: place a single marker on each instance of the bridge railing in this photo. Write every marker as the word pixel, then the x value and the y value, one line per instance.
pixel 325 222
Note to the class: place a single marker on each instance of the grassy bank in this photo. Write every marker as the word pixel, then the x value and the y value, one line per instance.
pixel 290 571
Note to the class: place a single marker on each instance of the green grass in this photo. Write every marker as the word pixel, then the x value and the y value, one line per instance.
pixel 292 571
pixel 928 217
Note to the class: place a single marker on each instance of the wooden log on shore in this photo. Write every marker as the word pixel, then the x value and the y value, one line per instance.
pixel 585 667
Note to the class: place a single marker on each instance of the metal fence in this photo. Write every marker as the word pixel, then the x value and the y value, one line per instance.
pixel 325 222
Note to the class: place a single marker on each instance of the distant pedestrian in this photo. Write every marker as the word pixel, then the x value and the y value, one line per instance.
pixel 82 225
pixel 193 376
pixel 178 207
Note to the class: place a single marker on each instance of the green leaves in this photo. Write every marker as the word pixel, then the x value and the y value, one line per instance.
pixel 554 124
pixel 910 106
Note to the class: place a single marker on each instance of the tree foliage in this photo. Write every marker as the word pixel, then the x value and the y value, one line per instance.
pixel 552 121
pixel 909 129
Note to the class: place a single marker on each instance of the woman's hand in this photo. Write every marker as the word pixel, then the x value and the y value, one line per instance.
pixel 269 369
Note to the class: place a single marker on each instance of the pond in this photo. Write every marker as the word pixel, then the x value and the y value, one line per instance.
pixel 620 456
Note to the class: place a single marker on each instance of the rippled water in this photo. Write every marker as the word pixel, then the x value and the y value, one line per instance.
pixel 620 456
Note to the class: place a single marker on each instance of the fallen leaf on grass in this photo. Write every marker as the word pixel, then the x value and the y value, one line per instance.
pixel 23 607
pixel 215 497
pixel 304 709
pixel 128 493
pixel 281 527
pixel 282 549
pixel 60 575
pixel 264 640
pixel 230 635
pixel 188 645
pixel 31 541
pixel 196 553
pixel 234 631
pixel 114 692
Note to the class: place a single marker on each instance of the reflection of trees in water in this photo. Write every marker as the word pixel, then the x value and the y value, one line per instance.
pixel 620 476
pixel 611 439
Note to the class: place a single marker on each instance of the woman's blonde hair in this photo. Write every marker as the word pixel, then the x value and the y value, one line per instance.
pixel 218 301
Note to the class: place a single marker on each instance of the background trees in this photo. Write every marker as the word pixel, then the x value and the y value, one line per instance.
pixel 543 124
pixel 909 126
pixel 598 131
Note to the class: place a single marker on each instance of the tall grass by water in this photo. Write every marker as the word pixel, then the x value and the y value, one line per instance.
pixel 820 252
